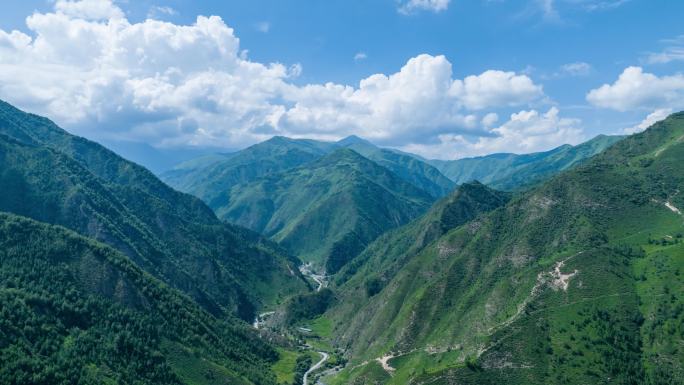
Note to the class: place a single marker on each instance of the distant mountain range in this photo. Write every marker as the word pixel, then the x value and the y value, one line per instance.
pixel 209 176
pixel 328 210
pixel 510 172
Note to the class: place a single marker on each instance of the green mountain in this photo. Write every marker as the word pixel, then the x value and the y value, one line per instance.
pixel 575 281
pixel 109 276
pixel 210 176
pixel 54 177
pixel 284 188
pixel 512 172
pixel 75 311
pixel 326 211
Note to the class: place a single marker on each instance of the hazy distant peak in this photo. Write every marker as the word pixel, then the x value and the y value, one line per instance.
pixel 353 139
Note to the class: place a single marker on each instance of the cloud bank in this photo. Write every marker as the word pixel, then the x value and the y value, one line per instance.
pixel 635 88
pixel 638 90
pixel 89 68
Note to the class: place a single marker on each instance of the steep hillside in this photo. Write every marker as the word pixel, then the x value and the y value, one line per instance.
pixel 386 255
pixel 58 178
pixel 327 211
pixel 511 171
pixel 407 167
pixel 74 311
pixel 576 281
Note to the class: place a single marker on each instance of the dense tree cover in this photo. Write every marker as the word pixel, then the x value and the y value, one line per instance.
pixel 73 311
pixel 344 250
pixel 390 251
pixel 301 367
pixel 308 306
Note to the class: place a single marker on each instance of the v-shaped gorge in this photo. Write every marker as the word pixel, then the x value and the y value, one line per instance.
pixel 326 201
pixel 327 211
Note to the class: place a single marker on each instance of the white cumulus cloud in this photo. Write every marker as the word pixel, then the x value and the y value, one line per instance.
pixel 95 72
pixel 651 119
pixel 495 88
pixel 526 131
pixel 418 102
pixel 635 88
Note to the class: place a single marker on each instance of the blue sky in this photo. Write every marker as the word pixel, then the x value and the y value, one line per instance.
pixel 563 49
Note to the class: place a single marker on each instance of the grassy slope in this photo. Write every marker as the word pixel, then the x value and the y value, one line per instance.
pixel 482 305
pixel 384 257
pixel 326 211
pixel 77 311
pixel 58 178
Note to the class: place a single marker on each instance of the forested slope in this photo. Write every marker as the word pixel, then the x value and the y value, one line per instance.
pixel 58 178
pixel 74 311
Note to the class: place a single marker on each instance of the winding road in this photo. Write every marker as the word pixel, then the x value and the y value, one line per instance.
pixel 260 319
pixel 324 357
pixel 320 279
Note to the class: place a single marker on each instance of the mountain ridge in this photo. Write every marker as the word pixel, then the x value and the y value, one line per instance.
pixel 209 176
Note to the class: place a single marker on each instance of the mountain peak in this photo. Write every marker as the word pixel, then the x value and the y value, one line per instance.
pixel 353 139
pixel 278 139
